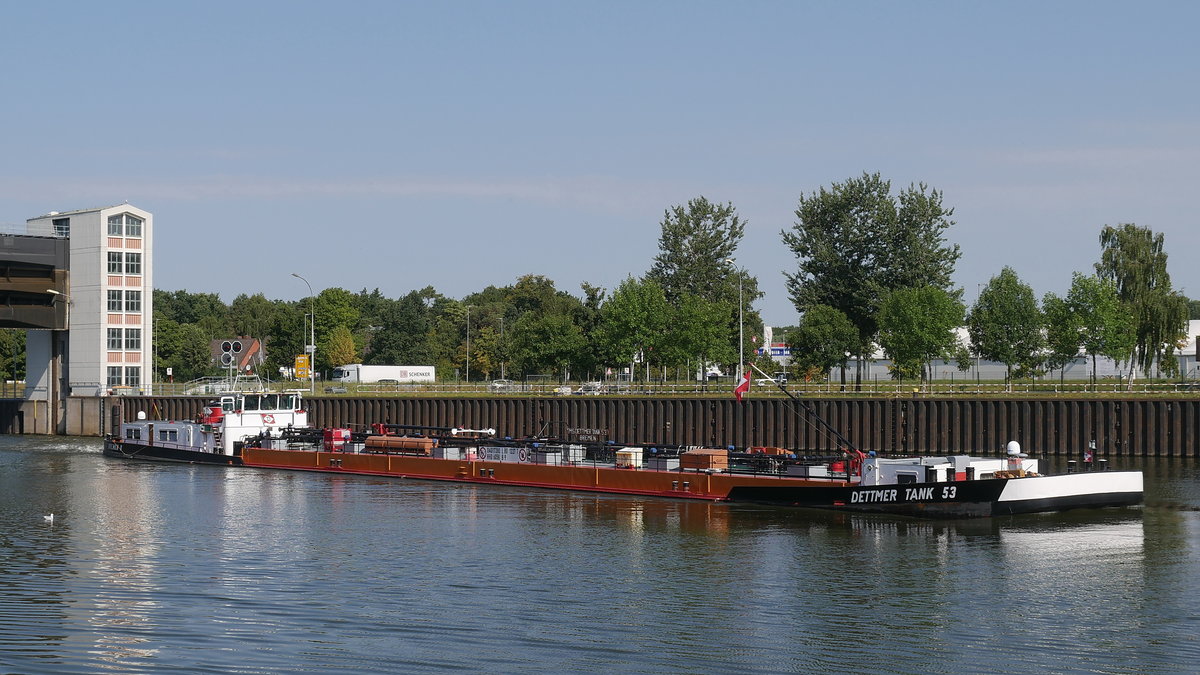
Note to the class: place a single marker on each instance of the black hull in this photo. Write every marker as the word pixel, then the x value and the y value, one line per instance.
pixel 156 453
pixel 965 499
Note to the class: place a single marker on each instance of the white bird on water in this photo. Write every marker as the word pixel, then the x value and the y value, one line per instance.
pixel 49 518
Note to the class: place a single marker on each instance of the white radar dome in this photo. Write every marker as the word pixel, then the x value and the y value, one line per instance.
pixel 1014 448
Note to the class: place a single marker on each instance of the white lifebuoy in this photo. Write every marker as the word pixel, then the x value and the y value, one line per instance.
pixel 268 419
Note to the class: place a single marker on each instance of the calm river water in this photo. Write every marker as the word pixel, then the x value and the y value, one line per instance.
pixel 151 568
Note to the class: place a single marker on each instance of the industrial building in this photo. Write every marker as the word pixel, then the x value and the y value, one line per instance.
pixel 81 282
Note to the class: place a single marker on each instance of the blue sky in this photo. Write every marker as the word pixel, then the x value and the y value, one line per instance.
pixel 397 145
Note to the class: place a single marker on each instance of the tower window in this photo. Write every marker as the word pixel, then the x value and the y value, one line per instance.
pixel 125 224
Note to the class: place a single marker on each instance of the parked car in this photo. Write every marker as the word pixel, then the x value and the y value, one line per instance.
pixel 778 377
pixel 592 389
pixel 503 386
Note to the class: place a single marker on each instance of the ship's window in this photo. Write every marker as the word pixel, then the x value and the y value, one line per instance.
pixel 270 402
pixel 133 434
pixel 168 434
pixel 227 405
pixel 287 402
pixel 906 477
pixel 251 403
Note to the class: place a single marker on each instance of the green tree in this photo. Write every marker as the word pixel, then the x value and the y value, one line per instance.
pixel 1005 324
pixel 339 346
pixel 1134 259
pixel 485 351
pixel 696 334
pixel 821 341
pixel 546 343
pixel 196 308
pixel 535 293
pixel 184 348
pixel 695 243
pixel 400 334
pixel 287 336
pixel 1064 331
pixel 589 321
pixel 855 243
pixel 334 307
pixel 252 315
pixel 12 358
pixel 632 321
pixel 917 325
pixel 1106 326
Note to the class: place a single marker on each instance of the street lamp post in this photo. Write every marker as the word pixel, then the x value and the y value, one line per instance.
pixel 311 347
pixel 741 323
pixel 57 295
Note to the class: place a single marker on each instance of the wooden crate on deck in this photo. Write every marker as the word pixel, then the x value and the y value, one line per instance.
pixel 704 458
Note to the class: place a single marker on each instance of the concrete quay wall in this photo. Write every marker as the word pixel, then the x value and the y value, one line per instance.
pixel 1049 427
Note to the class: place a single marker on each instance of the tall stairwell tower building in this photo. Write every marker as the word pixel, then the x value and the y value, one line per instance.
pixel 103 342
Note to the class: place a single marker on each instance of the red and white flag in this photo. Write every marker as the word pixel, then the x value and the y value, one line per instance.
pixel 743 386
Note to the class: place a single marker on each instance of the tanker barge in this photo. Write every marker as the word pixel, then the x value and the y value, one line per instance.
pixel 270 431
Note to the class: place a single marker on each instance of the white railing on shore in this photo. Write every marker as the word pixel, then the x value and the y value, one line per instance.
pixel 667 389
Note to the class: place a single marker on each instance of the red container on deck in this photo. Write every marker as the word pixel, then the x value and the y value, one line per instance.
pixel 336 439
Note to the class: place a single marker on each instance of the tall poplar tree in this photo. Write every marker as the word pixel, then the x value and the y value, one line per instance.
pixel 1133 258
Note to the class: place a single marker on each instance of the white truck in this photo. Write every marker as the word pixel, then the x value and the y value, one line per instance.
pixel 357 372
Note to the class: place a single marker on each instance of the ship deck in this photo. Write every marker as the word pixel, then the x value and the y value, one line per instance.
pixel 586 476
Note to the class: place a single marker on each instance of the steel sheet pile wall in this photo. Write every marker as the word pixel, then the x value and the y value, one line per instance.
pixel 900 425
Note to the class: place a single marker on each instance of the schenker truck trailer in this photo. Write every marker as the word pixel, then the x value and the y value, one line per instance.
pixel 357 372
